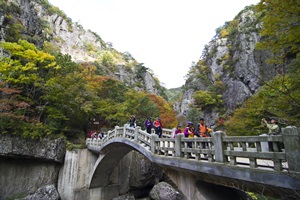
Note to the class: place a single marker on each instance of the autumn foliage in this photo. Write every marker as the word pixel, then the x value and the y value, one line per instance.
pixel 43 94
pixel 167 114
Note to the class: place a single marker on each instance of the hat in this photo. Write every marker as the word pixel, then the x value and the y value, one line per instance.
pixel 190 123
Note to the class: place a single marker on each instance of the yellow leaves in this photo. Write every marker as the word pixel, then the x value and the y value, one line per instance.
pixel 204 98
pixel 226 56
pixel 53 65
pixel 107 58
pixel 204 69
pixel 224 33
pixel 11 46
pixel 229 28
pixel 27 45
pixel 25 63
pixel 28 66
pixel 4 67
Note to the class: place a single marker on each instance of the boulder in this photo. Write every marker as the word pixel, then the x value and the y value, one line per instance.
pixel 143 172
pixel 47 192
pixel 164 191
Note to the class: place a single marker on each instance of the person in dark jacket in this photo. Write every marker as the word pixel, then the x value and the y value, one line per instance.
pixel 148 125
pixel 177 131
pixel 132 121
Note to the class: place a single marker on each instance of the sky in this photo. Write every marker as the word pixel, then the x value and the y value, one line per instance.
pixel 166 35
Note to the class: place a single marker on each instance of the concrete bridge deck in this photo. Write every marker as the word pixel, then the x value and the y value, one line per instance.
pixel 220 159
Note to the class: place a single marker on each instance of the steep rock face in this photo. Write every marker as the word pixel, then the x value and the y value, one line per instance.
pixel 27 165
pixel 25 176
pixel 234 61
pixel 150 83
pixel 186 100
pixel 46 149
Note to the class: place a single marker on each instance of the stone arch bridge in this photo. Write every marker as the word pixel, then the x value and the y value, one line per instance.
pixel 242 162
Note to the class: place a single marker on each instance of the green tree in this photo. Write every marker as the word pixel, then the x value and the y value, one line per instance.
pixel 109 102
pixel 68 103
pixel 267 103
pixel 140 105
pixel 23 74
pixel 281 29
pixel 205 99
pixel 193 116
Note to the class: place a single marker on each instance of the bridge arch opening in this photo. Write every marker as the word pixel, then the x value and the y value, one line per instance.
pixel 110 156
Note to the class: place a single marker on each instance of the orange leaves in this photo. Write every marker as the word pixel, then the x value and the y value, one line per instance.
pixel 167 114
pixel 9 90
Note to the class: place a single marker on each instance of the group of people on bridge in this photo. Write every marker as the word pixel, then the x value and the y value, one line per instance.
pixel 201 130
pixel 95 135
pixel 157 125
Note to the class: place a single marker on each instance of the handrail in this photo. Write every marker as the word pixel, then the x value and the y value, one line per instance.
pixel 234 150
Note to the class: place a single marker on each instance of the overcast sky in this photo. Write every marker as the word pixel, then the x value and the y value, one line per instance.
pixel 165 35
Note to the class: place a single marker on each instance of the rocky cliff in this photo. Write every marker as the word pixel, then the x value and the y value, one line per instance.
pixel 29 168
pixel 230 66
pixel 49 28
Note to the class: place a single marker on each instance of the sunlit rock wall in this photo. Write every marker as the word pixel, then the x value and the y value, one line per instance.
pixel 233 61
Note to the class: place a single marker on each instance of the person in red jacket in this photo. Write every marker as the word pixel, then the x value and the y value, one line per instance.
pixel 158 127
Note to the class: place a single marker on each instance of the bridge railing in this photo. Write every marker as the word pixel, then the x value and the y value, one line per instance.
pixel 166 133
pixel 247 151
pixel 250 148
